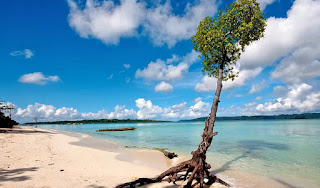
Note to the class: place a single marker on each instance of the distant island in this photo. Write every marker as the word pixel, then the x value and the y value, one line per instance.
pixel 92 121
pixel 231 118
pixel 273 117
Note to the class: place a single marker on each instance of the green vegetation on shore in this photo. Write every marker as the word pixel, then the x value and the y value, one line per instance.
pixel 91 121
pixel 273 117
pixel 6 122
pixel 231 118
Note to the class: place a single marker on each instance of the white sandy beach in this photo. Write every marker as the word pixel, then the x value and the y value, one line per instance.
pixel 32 157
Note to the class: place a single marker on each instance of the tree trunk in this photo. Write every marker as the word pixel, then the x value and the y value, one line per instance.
pixel 197 166
pixel 199 156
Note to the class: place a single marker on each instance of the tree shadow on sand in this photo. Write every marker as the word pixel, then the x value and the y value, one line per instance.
pixel 96 186
pixel 286 184
pixel 15 175
pixel 22 131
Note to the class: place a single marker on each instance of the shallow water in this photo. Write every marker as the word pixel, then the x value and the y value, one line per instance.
pixel 287 151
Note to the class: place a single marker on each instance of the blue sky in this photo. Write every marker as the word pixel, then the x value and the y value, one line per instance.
pixel 134 59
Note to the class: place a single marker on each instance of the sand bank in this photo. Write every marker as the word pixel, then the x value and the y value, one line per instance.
pixel 32 157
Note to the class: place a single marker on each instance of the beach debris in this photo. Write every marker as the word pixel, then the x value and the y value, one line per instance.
pixel 61 170
pixel 118 129
pixel 167 153
pixel 132 147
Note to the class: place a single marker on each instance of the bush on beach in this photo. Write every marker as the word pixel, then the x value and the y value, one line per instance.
pixel 6 122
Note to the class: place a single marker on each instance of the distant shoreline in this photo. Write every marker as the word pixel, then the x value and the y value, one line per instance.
pixel 272 117
pixel 231 118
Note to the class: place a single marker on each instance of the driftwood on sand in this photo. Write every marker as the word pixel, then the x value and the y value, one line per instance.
pixel 119 129
pixel 167 153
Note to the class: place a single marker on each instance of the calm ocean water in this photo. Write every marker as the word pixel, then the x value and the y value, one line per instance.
pixel 285 150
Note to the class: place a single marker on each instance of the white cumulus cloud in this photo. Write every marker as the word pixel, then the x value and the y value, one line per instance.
pixel 255 88
pixel 163 87
pixel 265 3
pixel 159 70
pixel 300 98
pixel 302 65
pixel 108 21
pixel 27 53
pixel 38 78
pixel 164 27
pixel 101 114
pixel 127 66
pixel 147 110
pixel 199 109
pixel 105 20
pixel 258 98
pixel 295 39
pixel 167 70
pixel 197 99
pixel 120 112
pixel 175 111
pixel 45 112
pixel 280 91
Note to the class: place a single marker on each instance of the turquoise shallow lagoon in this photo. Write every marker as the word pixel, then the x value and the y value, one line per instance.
pixel 288 151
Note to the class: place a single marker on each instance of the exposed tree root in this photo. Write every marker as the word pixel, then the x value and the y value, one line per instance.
pixel 199 173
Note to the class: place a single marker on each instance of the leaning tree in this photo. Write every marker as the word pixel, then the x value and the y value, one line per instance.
pixel 220 41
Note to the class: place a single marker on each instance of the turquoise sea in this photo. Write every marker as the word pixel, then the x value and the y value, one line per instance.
pixel 287 151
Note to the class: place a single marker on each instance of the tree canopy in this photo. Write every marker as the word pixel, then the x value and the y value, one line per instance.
pixel 221 40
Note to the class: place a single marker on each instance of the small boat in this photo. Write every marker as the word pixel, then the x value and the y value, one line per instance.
pixel 119 129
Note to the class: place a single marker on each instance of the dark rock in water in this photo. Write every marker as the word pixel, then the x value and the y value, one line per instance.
pixel 167 153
